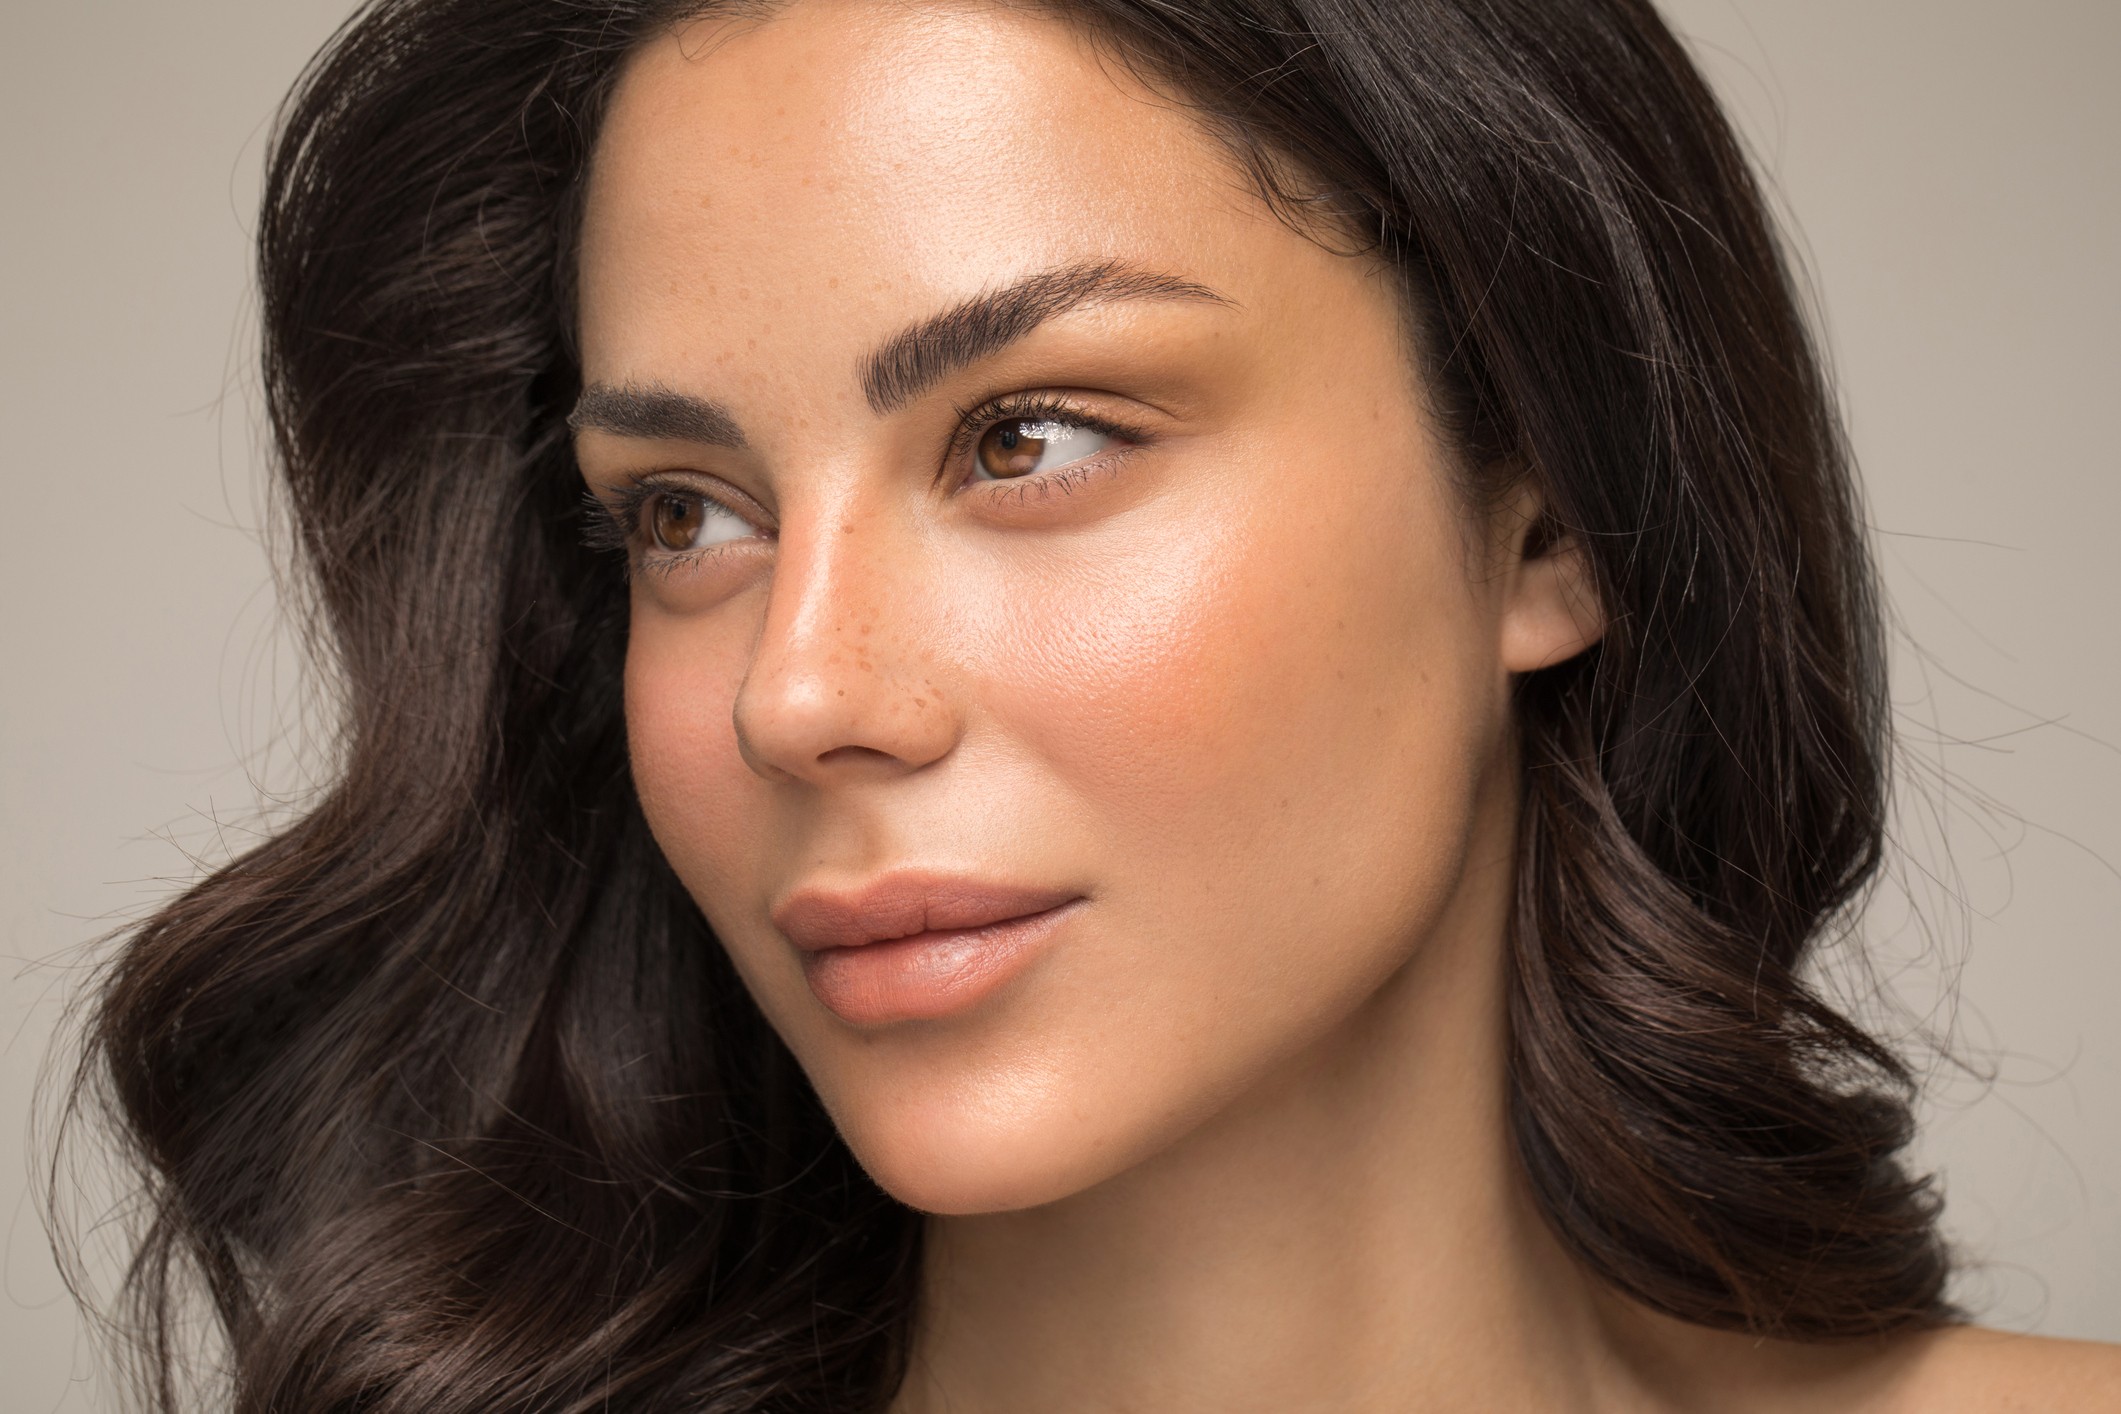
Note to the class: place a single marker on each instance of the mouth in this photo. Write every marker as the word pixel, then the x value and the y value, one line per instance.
pixel 916 946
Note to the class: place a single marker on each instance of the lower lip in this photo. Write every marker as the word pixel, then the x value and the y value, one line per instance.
pixel 929 976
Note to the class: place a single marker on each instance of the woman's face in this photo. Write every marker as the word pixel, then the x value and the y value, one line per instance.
pixel 1060 665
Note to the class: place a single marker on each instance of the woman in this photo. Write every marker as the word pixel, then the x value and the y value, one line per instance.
pixel 1089 706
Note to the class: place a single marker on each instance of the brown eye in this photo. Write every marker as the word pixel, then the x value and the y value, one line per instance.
pixel 1013 448
pixel 675 521
pixel 1017 446
pixel 679 522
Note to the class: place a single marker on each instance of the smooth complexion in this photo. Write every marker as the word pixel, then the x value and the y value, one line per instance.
pixel 1194 638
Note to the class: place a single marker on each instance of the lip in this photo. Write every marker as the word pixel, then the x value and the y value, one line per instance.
pixel 916 946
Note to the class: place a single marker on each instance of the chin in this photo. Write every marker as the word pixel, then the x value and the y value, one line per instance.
pixel 958 1153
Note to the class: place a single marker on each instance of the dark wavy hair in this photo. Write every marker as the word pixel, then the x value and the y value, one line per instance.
pixel 447 1093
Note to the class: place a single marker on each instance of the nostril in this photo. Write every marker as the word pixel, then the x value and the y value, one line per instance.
pixel 849 755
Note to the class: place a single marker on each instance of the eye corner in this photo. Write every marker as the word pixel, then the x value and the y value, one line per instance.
pixel 607 522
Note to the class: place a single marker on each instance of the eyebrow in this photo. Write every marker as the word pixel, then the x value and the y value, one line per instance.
pixel 907 364
pixel 912 362
pixel 653 411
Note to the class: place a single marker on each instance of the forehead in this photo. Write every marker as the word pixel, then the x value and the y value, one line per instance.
pixel 860 161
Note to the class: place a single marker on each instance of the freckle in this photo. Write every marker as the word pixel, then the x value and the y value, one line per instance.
pixel 746 294
pixel 1284 804
pixel 1317 880
pixel 806 181
pixel 843 692
pixel 847 529
pixel 832 283
pixel 1340 623
pixel 705 202
pixel 1341 673
pixel 868 629
pixel 751 343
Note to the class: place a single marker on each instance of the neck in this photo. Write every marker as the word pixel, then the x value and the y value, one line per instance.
pixel 1354 1234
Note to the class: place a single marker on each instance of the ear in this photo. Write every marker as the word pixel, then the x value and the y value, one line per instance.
pixel 1550 609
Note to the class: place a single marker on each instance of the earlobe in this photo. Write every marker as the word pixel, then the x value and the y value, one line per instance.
pixel 1552 611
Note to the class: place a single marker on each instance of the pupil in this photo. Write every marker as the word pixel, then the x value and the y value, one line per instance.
pixel 675 522
pixel 1010 437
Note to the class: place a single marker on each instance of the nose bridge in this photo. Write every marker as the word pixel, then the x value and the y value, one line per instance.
pixel 840 677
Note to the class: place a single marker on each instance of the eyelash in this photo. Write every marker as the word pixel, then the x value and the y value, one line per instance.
pixel 613 521
pixel 1039 407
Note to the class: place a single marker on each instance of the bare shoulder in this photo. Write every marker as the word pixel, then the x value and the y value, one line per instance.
pixel 1953 1370
pixel 1969 1370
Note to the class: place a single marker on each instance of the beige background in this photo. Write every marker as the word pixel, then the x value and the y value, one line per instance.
pixel 1952 168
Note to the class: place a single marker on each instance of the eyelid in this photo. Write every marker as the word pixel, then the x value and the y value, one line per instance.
pixel 973 423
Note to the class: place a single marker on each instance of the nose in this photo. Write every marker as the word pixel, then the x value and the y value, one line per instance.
pixel 842 683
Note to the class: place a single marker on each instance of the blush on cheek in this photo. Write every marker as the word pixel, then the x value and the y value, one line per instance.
pixel 1217 669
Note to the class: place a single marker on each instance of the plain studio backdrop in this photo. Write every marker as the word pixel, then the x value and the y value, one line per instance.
pixel 1950 172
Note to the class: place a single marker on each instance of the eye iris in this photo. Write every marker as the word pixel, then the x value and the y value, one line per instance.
pixel 675 521
pixel 1011 449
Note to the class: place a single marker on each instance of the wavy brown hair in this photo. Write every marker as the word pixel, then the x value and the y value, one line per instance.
pixel 447 1092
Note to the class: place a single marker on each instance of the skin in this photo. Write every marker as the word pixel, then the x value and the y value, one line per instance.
pixel 1235 1139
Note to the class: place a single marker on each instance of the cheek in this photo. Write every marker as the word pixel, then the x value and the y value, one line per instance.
pixel 1252 691
pixel 699 797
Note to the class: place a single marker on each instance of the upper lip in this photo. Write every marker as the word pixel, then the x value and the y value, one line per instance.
pixel 902 904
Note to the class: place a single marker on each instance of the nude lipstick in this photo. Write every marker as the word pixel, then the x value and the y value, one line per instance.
pixel 915 946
